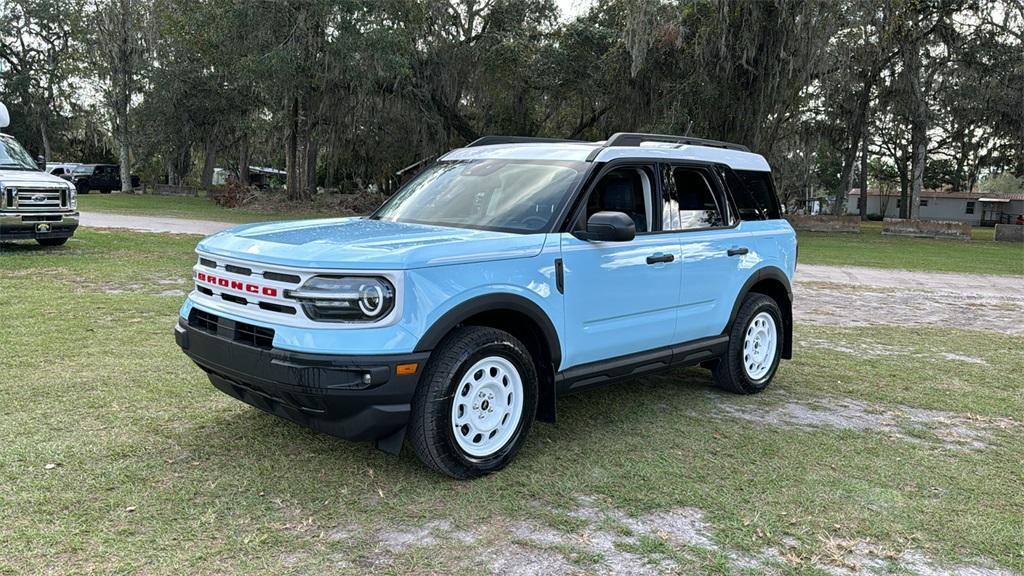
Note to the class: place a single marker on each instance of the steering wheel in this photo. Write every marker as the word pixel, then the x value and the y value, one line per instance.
pixel 537 222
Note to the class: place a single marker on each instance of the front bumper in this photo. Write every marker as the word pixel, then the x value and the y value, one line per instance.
pixel 37 225
pixel 324 392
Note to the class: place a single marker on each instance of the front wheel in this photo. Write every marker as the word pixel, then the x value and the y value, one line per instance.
pixel 755 347
pixel 475 404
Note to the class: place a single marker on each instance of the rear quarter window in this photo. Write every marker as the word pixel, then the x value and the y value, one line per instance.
pixel 760 191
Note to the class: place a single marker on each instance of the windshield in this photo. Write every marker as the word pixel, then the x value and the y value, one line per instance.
pixel 83 170
pixel 14 157
pixel 504 195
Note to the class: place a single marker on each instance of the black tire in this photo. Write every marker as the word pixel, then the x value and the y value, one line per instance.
pixel 431 430
pixel 52 241
pixel 729 372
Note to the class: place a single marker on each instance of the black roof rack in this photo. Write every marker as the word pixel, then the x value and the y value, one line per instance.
pixel 636 138
pixel 489 140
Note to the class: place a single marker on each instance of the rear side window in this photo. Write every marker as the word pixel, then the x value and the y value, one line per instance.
pixel 690 200
pixel 759 195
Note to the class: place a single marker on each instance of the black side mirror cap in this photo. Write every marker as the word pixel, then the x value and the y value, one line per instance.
pixel 609 227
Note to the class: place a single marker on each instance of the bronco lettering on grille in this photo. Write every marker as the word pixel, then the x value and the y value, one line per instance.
pixel 236 285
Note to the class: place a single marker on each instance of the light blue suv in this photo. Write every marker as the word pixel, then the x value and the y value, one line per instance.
pixel 506 274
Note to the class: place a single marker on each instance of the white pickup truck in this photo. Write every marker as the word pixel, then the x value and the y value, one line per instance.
pixel 34 205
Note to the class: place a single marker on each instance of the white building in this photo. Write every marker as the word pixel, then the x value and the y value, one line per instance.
pixel 973 208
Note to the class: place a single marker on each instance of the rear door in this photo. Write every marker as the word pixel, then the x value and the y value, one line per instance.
pixel 715 249
pixel 620 297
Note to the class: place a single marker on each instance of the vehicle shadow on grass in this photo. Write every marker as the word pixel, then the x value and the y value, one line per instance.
pixel 21 247
pixel 588 422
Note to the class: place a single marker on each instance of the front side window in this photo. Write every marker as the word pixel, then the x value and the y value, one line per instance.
pixel 626 190
pixel 690 201
pixel 522 196
pixel 14 157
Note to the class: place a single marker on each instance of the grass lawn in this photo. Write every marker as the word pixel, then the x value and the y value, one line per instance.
pixel 981 255
pixel 119 457
pixel 180 207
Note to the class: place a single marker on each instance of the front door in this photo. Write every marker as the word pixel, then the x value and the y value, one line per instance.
pixel 620 297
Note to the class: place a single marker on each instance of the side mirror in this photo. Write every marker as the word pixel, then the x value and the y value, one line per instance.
pixel 610 227
pixel 41 163
pixel 5 117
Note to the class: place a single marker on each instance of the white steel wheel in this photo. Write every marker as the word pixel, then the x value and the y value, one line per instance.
pixel 487 406
pixel 759 345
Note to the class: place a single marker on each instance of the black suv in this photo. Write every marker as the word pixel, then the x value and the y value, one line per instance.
pixel 103 177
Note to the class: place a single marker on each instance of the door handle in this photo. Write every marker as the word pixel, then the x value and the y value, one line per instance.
pixel 737 251
pixel 660 258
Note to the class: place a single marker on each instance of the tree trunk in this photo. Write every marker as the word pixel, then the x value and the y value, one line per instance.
pixel 45 138
pixel 292 151
pixel 855 131
pixel 862 207
pixel 904 189
pixel 243 161
pixel 918 105
pixel 209 164
pixel 125 156
pixel 312 150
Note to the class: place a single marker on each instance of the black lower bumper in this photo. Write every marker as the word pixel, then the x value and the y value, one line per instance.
pixel 324 392
pixel 18 226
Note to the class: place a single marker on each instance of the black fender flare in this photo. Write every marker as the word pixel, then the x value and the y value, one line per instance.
pixel 759 275
pixel 493 302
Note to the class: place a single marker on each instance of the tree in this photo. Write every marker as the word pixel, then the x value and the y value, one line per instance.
pixel 40 46
pixel 122 42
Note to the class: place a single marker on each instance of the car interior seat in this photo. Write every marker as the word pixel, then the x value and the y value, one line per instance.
pixel 621 191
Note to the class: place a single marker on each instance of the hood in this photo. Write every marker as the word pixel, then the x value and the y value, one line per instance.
pixel 362 244
pixel 31 178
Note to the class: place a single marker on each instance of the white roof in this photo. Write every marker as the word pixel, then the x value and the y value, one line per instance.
pixel 581 151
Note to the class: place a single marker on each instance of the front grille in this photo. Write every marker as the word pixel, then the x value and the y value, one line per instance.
pixel 278 277
pixel 203 320
pixel 42 218
pixel 277 308
pixel 245 285
pixel 28 199
pixel 256 336
pixel 241 332
pixel 235 299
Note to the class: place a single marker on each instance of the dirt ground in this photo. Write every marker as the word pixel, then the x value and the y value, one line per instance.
pixel 853 296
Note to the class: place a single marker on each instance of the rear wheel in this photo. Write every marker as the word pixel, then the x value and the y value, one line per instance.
pixel 52 241
pixel 475 404
pixel 755 347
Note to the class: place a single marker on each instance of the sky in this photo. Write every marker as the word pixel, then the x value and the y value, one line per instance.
pixel 573 8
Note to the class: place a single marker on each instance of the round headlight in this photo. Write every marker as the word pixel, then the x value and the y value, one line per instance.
pixel 371 299
pixel 345 298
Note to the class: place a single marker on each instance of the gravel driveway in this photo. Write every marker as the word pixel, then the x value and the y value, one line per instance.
pixel 152 223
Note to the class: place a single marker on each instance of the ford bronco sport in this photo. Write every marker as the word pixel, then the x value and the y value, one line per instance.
pixel 506 274
pixel 33 204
